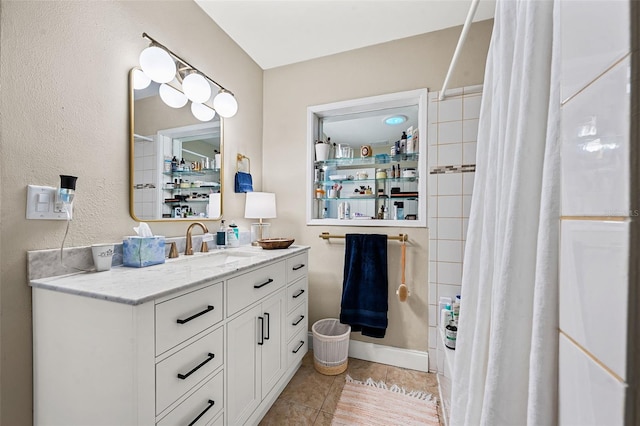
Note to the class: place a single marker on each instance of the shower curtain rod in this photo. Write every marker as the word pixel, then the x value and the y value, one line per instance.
pixel 463 37
pixel 400 237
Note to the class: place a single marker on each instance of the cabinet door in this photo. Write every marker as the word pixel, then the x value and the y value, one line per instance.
pixel 273 355
pixel 244 334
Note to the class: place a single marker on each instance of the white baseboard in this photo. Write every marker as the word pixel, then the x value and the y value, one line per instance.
pixel 404 358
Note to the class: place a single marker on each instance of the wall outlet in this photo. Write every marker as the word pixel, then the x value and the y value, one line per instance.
pixel 41 203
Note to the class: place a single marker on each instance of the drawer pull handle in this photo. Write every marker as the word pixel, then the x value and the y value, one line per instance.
pixel 298 294
pixel 295 351
pixel 269 281
pixel 210 404
pixel 299 319
pixel 182 321
pixel 298 266
pixel 266 315
pixel 261 342
pixel 210 356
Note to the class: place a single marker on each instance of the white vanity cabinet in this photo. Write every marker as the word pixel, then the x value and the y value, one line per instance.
pixel 216 352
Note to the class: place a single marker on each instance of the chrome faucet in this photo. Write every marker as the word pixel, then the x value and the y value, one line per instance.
pixel 189 248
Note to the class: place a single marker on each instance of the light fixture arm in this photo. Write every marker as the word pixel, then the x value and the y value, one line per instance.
pixel 154 41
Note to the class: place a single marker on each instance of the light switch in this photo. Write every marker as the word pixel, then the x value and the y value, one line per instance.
pixel 40 203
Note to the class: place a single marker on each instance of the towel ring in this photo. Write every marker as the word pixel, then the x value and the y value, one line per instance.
pixel 239 159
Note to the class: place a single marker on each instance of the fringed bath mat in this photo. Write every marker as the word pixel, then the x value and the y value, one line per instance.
pixel 373 403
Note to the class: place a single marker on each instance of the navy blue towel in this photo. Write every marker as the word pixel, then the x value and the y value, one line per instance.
pixel 365 287
pixel 243 182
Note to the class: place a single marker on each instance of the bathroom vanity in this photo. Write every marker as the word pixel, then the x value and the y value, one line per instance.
pixel 209 339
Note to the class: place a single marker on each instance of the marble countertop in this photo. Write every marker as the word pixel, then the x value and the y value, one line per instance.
pixel 134 286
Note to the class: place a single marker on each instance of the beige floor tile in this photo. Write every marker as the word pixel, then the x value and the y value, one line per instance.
pixel 362 370
pixel 323 419
pixel 307 387
pixel 286 413
pixel 331 401
pixel 411 379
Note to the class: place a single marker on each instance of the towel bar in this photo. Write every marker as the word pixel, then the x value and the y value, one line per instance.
pixel 400 237
pixel 239 159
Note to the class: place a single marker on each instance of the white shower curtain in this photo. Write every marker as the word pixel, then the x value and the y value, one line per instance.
pixel 506 354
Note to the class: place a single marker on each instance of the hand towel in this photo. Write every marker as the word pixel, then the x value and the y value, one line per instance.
pixel 243 182
pixel 365 288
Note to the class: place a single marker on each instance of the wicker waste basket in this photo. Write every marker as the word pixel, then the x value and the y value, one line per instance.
pixel 330 346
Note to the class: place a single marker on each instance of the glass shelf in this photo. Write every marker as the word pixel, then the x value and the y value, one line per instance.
pixel 203 200
pixel 373 197
pixel 191 172
pixel 400 179
pixel 192 188
pixel 369 161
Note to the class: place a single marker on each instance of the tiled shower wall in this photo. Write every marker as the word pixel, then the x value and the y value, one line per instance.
pixel 453 130
pixel 595 324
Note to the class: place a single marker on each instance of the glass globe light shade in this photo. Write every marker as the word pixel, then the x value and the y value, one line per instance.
pixel 172 97
pixel 202 112
pixel 157 64
pixel 196 88
pixel 225 104
pixel 140 80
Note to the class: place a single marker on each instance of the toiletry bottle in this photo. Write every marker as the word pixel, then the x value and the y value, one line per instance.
pixel 174 164
pixel 233 237
pixel 221 236
pixel 347 210
pixel 341 211
pixel 325 213
pixel 403 143
pixel 183 165
pixel 451 334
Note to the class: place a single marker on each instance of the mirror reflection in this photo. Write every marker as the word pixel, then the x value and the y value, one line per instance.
pixel 176 160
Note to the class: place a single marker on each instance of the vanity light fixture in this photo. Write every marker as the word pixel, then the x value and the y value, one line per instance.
pixel 140 80
pixel 187 83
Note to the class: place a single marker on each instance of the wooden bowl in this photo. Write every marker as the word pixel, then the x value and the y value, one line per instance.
pixel 275 243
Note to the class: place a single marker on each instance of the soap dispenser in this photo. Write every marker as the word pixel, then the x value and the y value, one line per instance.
pixel 221 236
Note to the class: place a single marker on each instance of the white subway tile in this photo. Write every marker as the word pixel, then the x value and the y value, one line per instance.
pixel 450 184
pixel 450 154
pixel 470 130
pixel 432 110
pixel 433 279
pixel 471 106
pixel 465 228
pixel 432 314
pixel 433 367
pixel 594 288
pixel 432 223
pixel 433 204
pixel 467 182
pixel 433 249
pixel 595 148
pixel 469 153
pixel 449 251
pixel 449 273
pixel 449 229
pixel 448 290
pixel 466 205
pixel 450 206
pixel 594 34
pixel 433 134
pixel 432 153
pixel 450 132
pixel 587 393
pixel 450 109
pixel 433 334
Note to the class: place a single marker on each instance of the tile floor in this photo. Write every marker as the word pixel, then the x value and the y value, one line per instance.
pixel 310 398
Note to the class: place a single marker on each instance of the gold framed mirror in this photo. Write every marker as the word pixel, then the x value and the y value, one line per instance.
pixel 175 160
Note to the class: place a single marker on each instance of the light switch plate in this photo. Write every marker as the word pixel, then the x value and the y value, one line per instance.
pixel 41 203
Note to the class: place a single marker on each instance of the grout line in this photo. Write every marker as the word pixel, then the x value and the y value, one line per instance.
pixel 592 357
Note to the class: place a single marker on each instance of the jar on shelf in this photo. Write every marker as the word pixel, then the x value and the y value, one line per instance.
pixel 381 174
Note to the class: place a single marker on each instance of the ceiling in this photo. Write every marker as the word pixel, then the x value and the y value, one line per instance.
pixel 277 33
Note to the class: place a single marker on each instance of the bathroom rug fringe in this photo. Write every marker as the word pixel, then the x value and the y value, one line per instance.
pixel 374 403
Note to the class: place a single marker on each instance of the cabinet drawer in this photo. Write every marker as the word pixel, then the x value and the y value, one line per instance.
pixel 297 320
pixel 296 293
pixel 193 363
pixel 205 402
pixel 185 316
pixel 245 289
pixel 297 266
pixel 297 347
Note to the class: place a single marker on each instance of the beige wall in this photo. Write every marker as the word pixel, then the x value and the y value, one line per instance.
pixel 64 110
pixel 406 64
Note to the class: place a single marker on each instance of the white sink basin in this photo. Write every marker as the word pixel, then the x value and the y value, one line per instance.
pixel 219 257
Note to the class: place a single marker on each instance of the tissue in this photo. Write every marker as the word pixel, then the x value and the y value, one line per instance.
pixel 143 249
